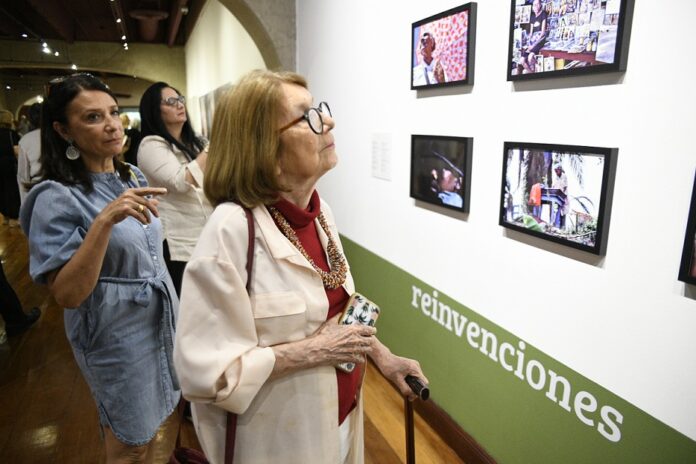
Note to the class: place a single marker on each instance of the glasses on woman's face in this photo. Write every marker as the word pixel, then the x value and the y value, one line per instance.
pixel 172 101
pixel 313 118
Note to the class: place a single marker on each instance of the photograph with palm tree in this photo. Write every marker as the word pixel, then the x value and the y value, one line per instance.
pixel 558 192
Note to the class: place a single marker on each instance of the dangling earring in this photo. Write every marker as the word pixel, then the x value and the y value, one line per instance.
pixel 71 152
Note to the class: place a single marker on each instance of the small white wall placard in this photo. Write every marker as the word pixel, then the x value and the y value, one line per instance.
pixel 381 156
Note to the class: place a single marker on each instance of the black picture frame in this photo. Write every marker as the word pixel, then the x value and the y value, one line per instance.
pixel 687 267
pixel 533 200
pixel 587 25
pixel 456 53
pixel 441 170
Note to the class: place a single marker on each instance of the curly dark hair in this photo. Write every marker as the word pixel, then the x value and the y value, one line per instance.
pixel 54 164
pixel 151 122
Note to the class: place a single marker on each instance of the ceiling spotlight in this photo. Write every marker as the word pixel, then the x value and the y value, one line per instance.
pixel 24 35
pixel 74 67
pixel 46 50
pixel 123 37
pixel 56 54
pixel 118 20
pixel 45 45
pixel 39 98
pixel 8 87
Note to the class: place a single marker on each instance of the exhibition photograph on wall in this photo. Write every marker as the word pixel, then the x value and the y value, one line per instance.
pixel 563 37
pixel 442 48
pixel 441 170
pixel 557 192
pixel 687 268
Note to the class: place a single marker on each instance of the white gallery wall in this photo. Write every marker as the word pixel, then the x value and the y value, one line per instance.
pixel 219 51
pixel 622 320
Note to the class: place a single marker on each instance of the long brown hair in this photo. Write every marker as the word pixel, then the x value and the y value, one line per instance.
pixel 242 161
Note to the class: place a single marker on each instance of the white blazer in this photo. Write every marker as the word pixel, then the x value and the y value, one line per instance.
pixel 222 350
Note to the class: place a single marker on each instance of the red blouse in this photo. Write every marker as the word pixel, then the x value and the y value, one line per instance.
pixel 302 222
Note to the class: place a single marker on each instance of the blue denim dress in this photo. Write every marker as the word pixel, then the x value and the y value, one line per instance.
pixel 122 334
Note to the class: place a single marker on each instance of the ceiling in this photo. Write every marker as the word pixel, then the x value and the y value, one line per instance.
pixel 164 22
pixel 141 21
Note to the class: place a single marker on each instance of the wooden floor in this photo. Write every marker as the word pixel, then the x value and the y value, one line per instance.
pixel 47 414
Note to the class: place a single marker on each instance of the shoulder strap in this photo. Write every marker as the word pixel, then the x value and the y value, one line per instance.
pixel 250 247
pixel 231 417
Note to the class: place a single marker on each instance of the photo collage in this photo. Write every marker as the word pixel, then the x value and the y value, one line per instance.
pixel 555 35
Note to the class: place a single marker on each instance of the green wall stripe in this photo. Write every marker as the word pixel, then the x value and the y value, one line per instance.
pixel 513 421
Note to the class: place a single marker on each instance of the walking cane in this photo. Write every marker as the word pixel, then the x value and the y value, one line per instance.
pixel 423 392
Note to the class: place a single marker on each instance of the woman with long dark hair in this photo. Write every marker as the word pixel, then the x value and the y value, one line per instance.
pixel 171 155
pixel 96 241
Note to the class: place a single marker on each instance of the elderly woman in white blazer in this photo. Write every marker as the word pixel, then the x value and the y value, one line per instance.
pixel 270 356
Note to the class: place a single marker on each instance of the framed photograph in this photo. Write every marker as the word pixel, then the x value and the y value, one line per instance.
pixel 687 269
pixel 441 170
pixel 560 193
pixel 442 48
pixel 207 108
pixel 550 38
pixel 207 105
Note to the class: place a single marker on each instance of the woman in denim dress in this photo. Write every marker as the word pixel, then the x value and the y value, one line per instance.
pixel 96 241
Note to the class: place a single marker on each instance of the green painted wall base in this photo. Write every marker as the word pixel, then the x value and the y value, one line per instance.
pixel 520 404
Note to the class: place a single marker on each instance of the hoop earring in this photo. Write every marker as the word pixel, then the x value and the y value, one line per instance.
pixel 71 152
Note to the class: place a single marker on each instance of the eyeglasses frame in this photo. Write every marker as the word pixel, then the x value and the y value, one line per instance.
pixel 173 101
pixel 305 116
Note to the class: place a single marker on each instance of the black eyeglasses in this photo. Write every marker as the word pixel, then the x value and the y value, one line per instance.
pixel 313 118
pixel 172 101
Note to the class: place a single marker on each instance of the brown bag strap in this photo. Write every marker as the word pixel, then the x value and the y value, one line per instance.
pixel 231 435
pixel 180 412
pixel 231 417
pixel 250 248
